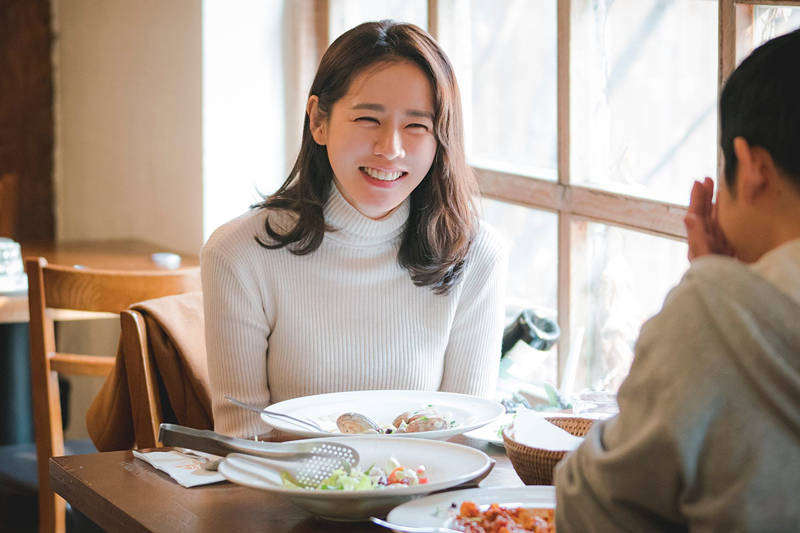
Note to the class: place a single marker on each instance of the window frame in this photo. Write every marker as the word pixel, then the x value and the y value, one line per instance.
pixel 567 201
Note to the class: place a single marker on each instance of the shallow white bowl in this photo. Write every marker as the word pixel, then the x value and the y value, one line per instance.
pixel 447 464
pixel 438 510
pixel 382 406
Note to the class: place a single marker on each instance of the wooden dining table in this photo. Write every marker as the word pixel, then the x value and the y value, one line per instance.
pixel 123 494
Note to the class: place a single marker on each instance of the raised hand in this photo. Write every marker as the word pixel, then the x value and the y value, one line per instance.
pixel 704 233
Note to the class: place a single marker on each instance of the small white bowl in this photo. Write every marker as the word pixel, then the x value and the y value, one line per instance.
pixel 166 260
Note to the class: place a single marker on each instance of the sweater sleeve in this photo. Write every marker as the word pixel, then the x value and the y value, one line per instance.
pixel 472 356
pixel 237 332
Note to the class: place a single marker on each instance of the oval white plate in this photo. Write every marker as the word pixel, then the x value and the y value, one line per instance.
pixel 383 406
pixel 438 510
pixel 446 463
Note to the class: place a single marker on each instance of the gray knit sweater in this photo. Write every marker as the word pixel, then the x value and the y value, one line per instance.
pixel 708 434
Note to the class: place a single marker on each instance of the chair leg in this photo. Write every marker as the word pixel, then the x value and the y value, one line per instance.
pixel 52 512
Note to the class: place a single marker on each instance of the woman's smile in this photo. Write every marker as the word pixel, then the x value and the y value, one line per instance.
pixel 382 177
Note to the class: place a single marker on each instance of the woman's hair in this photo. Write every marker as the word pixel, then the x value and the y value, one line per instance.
pixel 442 220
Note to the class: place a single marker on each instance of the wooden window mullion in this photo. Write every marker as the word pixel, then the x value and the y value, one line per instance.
pixel 563 25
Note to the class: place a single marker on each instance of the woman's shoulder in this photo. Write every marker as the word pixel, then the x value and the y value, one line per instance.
pixel 237 232
pixel 243 231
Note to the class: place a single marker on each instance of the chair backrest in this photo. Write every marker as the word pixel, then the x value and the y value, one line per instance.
pixel 82 289
pixel 146 402
pixel 8 205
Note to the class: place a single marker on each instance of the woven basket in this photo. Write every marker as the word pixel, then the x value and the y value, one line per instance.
pixel 535 465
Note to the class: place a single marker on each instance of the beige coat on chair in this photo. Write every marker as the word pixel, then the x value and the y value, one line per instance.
pixel 175 347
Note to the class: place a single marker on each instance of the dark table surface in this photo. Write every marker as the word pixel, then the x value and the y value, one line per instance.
pixel 123 494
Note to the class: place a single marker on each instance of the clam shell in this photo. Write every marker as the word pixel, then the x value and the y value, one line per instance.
pixel 356 423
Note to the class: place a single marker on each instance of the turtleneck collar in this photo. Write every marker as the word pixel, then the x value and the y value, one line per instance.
pixel 354 228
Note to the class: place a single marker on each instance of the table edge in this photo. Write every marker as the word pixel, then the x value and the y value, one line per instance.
pixel 96 508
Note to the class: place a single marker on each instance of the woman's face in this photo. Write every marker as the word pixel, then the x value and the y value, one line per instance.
pixel 379 136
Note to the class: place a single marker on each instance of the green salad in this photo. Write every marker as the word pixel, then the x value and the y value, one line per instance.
pixel 392 475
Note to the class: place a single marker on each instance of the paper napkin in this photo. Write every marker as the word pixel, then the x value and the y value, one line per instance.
pixel 187 469
pixel 531 429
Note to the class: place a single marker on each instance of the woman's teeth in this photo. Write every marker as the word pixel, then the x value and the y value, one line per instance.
pixel 382 175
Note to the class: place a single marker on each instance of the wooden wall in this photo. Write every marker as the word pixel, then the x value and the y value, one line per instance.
pixel 26 113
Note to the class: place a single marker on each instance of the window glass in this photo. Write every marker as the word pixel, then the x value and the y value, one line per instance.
pixel 532 238
pixel 643 83
pixel 620 278
pixel 345 14
pixel 757 24
pixel 511 93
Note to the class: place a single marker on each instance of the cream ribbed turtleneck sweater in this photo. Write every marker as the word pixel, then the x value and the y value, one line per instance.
pixel 344 317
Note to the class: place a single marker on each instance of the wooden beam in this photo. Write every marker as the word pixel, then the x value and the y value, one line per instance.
pixel 433 18
pixel 651 216
pixel 86 365
pixel 782 3
pixel 727 39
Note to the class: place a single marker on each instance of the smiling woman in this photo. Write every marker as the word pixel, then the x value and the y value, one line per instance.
pixel 368 268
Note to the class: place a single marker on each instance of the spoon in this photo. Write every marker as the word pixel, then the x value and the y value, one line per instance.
pixel 302 421
pixel 410 529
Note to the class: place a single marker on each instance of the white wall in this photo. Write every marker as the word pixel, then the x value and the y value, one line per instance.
pixel 128 93
pixel 169 116
pixel 243 106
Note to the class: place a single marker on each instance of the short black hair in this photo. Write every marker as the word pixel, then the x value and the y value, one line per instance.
pixel 761 102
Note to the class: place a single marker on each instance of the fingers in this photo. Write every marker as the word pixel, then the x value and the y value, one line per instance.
pixel 701 198
pixel 697 198
pixel 697 236
pixel 708 187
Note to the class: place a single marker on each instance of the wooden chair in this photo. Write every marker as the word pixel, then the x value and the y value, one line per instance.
pixel 59 287
pixel 8 205
pixel 163 343
pixel 146 402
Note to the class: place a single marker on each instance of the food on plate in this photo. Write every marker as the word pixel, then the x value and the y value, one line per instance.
pixel 392 476
pixel 357 423
pixel 497 519
pixel 427 418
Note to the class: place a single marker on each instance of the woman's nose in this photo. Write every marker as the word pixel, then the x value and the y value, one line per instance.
pixel 389 144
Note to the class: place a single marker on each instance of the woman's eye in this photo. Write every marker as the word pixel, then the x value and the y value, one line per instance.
pixel 367 119
pixel 419 126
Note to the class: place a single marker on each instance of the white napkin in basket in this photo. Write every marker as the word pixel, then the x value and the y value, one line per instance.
pixel 185 468
pixel 531 429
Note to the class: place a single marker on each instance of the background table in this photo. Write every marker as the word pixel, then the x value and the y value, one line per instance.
pixel 123 494
pixel 16 409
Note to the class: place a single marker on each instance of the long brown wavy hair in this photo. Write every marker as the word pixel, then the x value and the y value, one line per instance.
pixel 442 221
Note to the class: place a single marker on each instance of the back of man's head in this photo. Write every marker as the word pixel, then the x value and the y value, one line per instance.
pixel 761 102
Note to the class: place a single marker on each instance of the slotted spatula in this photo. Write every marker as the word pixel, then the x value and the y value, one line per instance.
pixel 308 462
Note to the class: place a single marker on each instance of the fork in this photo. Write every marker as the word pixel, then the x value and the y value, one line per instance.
pixel 264 410
pixel 409 529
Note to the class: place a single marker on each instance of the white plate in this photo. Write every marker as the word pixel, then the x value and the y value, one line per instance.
pixel 438 510
pixel 491 432
pixel 447 465
pixel 383 406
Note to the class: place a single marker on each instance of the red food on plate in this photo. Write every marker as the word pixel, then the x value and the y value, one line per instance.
pixel 497 519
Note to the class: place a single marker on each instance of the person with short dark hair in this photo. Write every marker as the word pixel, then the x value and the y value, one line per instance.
pixel 708 432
